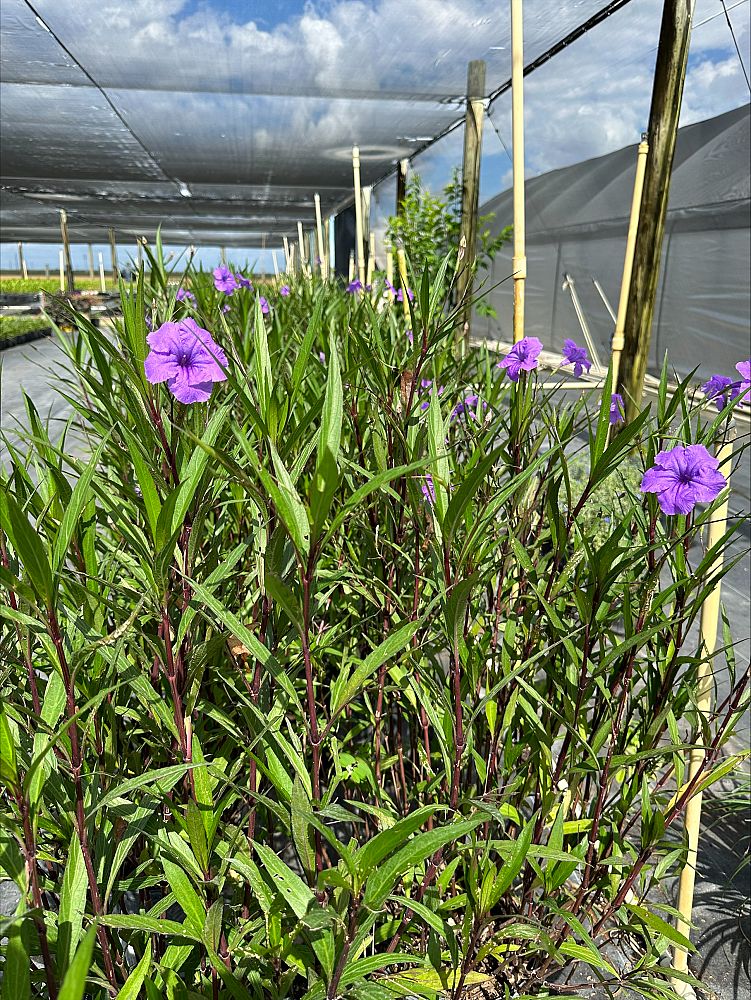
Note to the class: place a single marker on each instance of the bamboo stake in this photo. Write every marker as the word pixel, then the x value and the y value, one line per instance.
pixel 359 240
pixel 62 271
pixel 664 113
pixel 628 263
pixel 102 282
pixel 113 251
pixel 69 279
pixel 276 264
pixel 470 190
pixel 710 613
pixel 351 272
pixel 402 262
pixel 292 258
pixel 286 254
pixel 22 262
pixel 519 263
pixel 319 235
pixel 390 271
pixel 91 262
pixel 371 260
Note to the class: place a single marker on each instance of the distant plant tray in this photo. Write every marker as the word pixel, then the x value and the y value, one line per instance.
pixel 25 338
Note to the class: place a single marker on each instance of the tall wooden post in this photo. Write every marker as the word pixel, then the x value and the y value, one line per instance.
pixel 359 231
pixel 470 189
pixel 667 91
pixel 91 262
pixel 113 253
pixel 61 265
pixel 69 280
pixel 401 185
pixel 519 262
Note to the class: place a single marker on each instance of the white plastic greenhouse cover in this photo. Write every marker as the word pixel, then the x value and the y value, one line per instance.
pixel 218 120
pixel 577 219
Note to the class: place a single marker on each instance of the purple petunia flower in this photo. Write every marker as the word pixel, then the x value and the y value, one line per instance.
pixel 400 295
pixel 617 410
pixel 683 477
pixel 242 281
pixel 284 290
pixel 224 280
pixel 265 307
pixel 426 383
pixel 522 357
pixel 576 356
pixel 185 356
pixel 721 389
pixel 428 489
pixel 389 287
pixel 468 405
pixel 183 295
pixel 744 370
pixel 354 286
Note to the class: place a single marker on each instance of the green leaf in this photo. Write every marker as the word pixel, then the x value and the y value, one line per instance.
pixel 78 500
pixel 326 478
pixel 185 894
pixel 27 544
pixel 393 644
pixel 72 906
pixel 132 985
pixel 513 866
pixel 8 762
pixel 74 983
pixel 197 835
pixel 16 982
pixel 384 879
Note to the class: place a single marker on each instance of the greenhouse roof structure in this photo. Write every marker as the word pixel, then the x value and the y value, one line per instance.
pixel 219 120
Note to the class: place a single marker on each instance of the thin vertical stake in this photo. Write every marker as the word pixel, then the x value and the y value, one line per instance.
pixel 519 263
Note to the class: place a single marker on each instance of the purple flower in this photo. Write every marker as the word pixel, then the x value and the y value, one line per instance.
pixel 683 477
pixel 389 287
pixel 426 383
pixel 224 280
pixel 617 411
pixel 242 281
pixel 185 356
pixel 410 337
pixel 265 307
pixel 744 370
pixel 522 357
pixel 322 357
pixel 147 319
pixel 576 356
pixel 468 405
pixel 428 489
pixel 400 295
pixel 183 295
pixel 284 290
pixel 225 308
pixel 721 389
pixel 354 286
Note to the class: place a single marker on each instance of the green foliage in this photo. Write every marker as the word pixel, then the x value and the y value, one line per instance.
pixel 321 689
pixel 429 230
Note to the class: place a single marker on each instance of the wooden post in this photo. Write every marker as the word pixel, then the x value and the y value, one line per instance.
pixel 62 270
pixel 519 263
pixel 23 271
pixel 69 280
pixel 401 186
pixel 46 270
pixel 91 262
pixel 102 282
pixel 390 271
pixel 470 189
pixel 319 236
pixel 710 614
pixel 285 241
pixel 359 233
pixel 667 91
pixel 113 252
pixel 628 263
pixel 301 246
pixel 351 272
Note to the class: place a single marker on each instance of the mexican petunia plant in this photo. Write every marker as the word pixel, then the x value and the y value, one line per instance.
pixel 334 665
